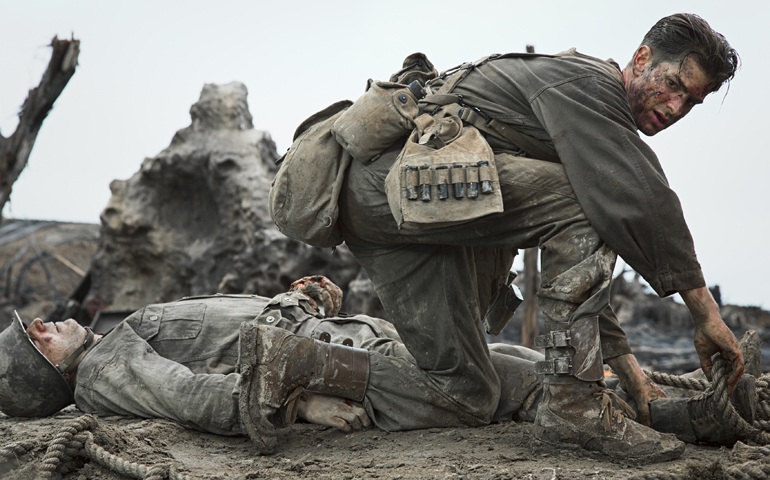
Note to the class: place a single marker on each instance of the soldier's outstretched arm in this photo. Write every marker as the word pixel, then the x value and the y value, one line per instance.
pixel 636 384
pixel 711 334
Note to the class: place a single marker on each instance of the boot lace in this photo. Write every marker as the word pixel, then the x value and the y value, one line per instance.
pixel 608 412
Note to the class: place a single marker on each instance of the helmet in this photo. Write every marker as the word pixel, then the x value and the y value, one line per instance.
pixel 30 385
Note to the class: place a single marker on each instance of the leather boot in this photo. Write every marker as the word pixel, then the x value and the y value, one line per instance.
pixel 699 420
pixel 751 346
pixel 277 366
pixel 577 411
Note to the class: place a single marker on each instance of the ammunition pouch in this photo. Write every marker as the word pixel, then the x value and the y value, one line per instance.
pixel 444 175
pixel 384 114
pixel 575 351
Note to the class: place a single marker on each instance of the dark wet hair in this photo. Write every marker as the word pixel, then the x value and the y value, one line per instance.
pixel 685 35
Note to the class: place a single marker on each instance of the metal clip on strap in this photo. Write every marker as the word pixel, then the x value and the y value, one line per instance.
pixel 555 339
pixel 557 366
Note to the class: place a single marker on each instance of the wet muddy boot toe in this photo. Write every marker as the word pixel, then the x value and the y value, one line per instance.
pixel 578 416
pixel 751 346
pixel 710 423
pixel 276 366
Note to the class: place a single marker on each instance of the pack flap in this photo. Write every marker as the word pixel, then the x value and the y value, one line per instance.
pixel 327 112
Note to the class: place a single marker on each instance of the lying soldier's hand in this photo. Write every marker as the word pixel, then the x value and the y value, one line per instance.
pixel 336 412
pixel 320 290
pixel 637 384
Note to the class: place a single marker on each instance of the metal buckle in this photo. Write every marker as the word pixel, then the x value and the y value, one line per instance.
pixel 561 338
pixel 554 339
pixel 557 366
pixel 562 366
pixel 478 111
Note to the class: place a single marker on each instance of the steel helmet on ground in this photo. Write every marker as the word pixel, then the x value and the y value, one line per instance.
pixel 30 385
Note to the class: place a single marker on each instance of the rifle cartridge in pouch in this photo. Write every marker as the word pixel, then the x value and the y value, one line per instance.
pixel 412 182
pixel 447 154
pixel 425 180
pixel 486 178
pixel 442 181
pixel 457 175
pixel 472 176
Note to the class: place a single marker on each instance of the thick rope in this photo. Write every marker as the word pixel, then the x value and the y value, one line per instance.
pixel 55 455
pixel 721 405
pixel 74 439
pixel 678 381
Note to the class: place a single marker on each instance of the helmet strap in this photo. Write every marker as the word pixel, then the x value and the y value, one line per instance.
pixel 69 364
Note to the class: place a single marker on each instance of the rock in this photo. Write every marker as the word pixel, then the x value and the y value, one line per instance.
pixel 194 220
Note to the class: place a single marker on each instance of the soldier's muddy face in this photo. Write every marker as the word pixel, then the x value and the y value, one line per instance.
pixel 56 340
pixel 662 94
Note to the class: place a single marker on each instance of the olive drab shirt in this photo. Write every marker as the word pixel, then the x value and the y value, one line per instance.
pixel 579 105
pixel 178 360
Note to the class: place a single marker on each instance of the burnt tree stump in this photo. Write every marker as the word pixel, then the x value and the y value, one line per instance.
pixel 15 150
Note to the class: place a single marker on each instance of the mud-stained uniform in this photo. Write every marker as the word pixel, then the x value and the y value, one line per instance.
pixel 178 360
pixel 608 194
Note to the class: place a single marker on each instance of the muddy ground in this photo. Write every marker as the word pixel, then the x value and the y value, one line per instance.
pixel 498 451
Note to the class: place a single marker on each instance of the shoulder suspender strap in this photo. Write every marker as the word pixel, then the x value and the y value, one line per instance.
pixel 454 104
pixel 532 146
pixel 471 115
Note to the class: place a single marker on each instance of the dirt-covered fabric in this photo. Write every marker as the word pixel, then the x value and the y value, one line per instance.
pixel 428 280
pixel 177 361
pixel 578 104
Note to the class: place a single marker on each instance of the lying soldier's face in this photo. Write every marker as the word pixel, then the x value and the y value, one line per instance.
pixel 56 340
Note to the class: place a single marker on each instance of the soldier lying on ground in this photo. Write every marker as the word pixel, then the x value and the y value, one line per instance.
pixel 180 361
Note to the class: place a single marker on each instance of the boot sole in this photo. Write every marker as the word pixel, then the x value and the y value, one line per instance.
pixel 538 446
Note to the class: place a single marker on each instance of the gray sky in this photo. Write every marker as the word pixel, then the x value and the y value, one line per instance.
pixel 143 64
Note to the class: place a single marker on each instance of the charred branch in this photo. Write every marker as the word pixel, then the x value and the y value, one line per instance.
pixel 15 150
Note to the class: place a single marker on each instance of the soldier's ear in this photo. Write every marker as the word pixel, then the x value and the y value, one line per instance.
pixel 642 60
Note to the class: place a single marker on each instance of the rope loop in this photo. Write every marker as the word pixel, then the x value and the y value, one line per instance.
pixel 722 407
pixel 74 439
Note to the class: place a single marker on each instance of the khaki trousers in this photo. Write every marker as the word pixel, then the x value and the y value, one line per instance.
pixel 429 279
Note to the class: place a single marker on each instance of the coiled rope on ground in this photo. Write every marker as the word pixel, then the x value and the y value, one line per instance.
pixel 74 439
pixel 758 433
